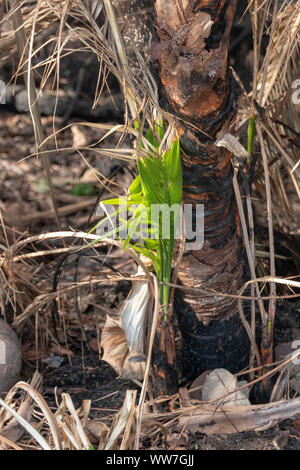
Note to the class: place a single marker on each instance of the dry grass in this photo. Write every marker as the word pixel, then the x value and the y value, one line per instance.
pixel 273 89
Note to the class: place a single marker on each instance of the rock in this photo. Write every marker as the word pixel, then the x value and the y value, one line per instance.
pixel 198 382
pixel 295 383
pixel 282 350
pixel 10 357
pixel 285 351
pixel 245 391
pixel 220 382
pixel 294 365
pixel 294 368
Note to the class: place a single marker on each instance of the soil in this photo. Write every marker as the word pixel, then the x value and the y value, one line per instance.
pixel 26 207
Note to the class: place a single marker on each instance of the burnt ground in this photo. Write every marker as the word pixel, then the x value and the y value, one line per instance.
pixel 26 206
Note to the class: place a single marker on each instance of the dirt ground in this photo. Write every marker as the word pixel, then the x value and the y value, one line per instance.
pixel 71 362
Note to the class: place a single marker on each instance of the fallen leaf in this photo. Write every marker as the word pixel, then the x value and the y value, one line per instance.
pixel 116 353
pixel 97 430
pixel 123 340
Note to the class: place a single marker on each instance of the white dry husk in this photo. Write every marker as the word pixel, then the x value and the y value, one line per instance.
pixel 124 339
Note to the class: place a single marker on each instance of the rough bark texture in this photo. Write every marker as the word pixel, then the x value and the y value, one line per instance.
pixel 198 88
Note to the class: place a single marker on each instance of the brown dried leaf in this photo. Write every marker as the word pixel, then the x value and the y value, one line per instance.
pixel 126 363
pixel 97 431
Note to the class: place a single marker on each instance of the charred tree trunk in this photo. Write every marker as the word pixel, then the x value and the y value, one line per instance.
pixel 198 89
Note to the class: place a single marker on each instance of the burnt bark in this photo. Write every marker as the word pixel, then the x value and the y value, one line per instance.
pixel 190 52
pixel 198 88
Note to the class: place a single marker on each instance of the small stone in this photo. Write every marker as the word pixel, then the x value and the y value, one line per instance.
pixel 282 350
pixel 10 357
pixel 293 366
pixel 245 391
pixel 219 383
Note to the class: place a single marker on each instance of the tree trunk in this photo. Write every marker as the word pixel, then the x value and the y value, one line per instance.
pixel 197 88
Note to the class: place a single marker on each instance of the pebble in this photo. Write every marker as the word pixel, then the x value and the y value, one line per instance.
pixel 219 383
pixel 10 357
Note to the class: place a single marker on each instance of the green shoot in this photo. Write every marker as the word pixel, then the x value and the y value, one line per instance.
pixel 251 134
pixel 152 209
